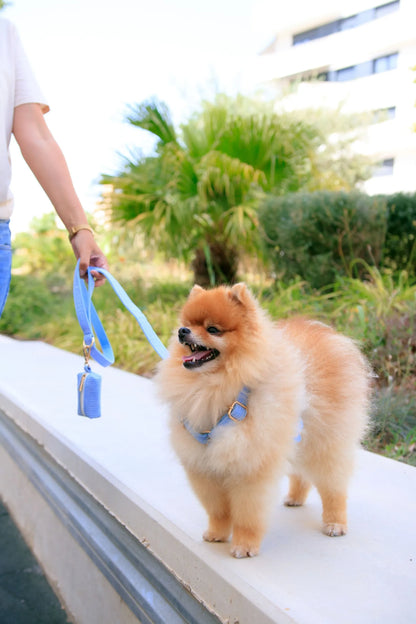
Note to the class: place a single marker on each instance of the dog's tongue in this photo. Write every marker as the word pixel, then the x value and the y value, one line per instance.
pixel 198 355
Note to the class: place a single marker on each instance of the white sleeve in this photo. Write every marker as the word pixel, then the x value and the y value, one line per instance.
pixel 27 90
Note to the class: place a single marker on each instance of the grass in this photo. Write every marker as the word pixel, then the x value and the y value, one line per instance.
pixel 379 313
pixel 394 424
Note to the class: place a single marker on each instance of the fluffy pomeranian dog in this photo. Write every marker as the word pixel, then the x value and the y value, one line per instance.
pixel 240 387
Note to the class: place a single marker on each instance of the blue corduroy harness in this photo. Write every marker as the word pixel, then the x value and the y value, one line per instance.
pixel 236 413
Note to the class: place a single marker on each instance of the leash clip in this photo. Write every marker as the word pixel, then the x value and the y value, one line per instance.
pixel 87 350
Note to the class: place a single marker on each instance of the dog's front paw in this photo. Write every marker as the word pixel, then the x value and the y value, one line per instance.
pixel 214 536
pixel 335 530
pixel 246 542
pixel 240 551
pixel 293 502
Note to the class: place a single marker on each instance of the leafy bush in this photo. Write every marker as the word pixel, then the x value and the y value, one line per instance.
pixel 29 304
pixel 393 431
pixel 44 250
pixel 394 358
pixel 399 250
pixel 316 236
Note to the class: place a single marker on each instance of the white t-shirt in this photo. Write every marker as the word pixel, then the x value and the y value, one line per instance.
pixel 17 86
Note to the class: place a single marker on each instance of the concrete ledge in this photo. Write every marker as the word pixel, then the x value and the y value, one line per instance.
pixel 150 591
pixel 130 510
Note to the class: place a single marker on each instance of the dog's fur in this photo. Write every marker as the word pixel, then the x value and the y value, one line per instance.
pixel 295 369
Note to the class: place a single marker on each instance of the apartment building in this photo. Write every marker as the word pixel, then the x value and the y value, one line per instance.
pixel 361 53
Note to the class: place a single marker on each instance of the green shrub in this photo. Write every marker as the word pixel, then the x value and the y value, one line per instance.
pixel 29 304
pixel 317 236
pixel 393 432
pixel 399 250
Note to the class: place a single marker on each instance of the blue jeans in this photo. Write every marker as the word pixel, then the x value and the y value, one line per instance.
pixel 5 262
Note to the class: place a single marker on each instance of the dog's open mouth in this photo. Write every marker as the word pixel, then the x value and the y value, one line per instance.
pixel 200 355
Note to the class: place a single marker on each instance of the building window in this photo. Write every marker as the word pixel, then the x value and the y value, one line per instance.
pixel 316 33
pixel 386 9
pixel 384 114
pixel 375 66
pixel 346 73
pixel 350 22
pixel 345 23
pixel 385 63
pixel 352 72
pixel 385 167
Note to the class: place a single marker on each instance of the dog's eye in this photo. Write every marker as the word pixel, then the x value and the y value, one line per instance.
pixel 213 330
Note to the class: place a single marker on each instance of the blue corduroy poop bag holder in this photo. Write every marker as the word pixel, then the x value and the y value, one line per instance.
pixel 88 382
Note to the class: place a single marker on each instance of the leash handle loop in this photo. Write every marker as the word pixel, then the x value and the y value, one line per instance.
pixel 90 322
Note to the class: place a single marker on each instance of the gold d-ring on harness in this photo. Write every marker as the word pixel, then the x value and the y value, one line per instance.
pixel 231 409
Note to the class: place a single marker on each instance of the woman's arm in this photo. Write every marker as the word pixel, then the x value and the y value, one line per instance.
pixel 47 162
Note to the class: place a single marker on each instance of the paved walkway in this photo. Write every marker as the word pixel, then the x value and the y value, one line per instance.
pixel 25 595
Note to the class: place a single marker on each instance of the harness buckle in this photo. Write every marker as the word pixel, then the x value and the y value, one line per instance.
pixel 231 409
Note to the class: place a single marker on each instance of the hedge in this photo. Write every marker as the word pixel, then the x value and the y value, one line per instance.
pixel 399 249
pixel 316 236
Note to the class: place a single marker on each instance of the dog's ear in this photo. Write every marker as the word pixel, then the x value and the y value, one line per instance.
pixel 195 290
pixel 240 293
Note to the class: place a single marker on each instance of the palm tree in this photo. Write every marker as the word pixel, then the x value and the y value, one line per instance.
pixel 196 197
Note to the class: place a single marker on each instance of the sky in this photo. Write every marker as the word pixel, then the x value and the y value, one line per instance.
pixel 93 58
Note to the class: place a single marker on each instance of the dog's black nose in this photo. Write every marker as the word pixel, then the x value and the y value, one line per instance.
pixel 183 333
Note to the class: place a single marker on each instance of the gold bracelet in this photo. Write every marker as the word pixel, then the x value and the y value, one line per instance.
pixel 76 228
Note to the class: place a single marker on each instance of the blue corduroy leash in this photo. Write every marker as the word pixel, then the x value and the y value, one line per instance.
pixel 90 322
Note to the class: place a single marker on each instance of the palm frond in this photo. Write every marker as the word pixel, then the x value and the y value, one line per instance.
pixel 154 117
pixel 225 179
